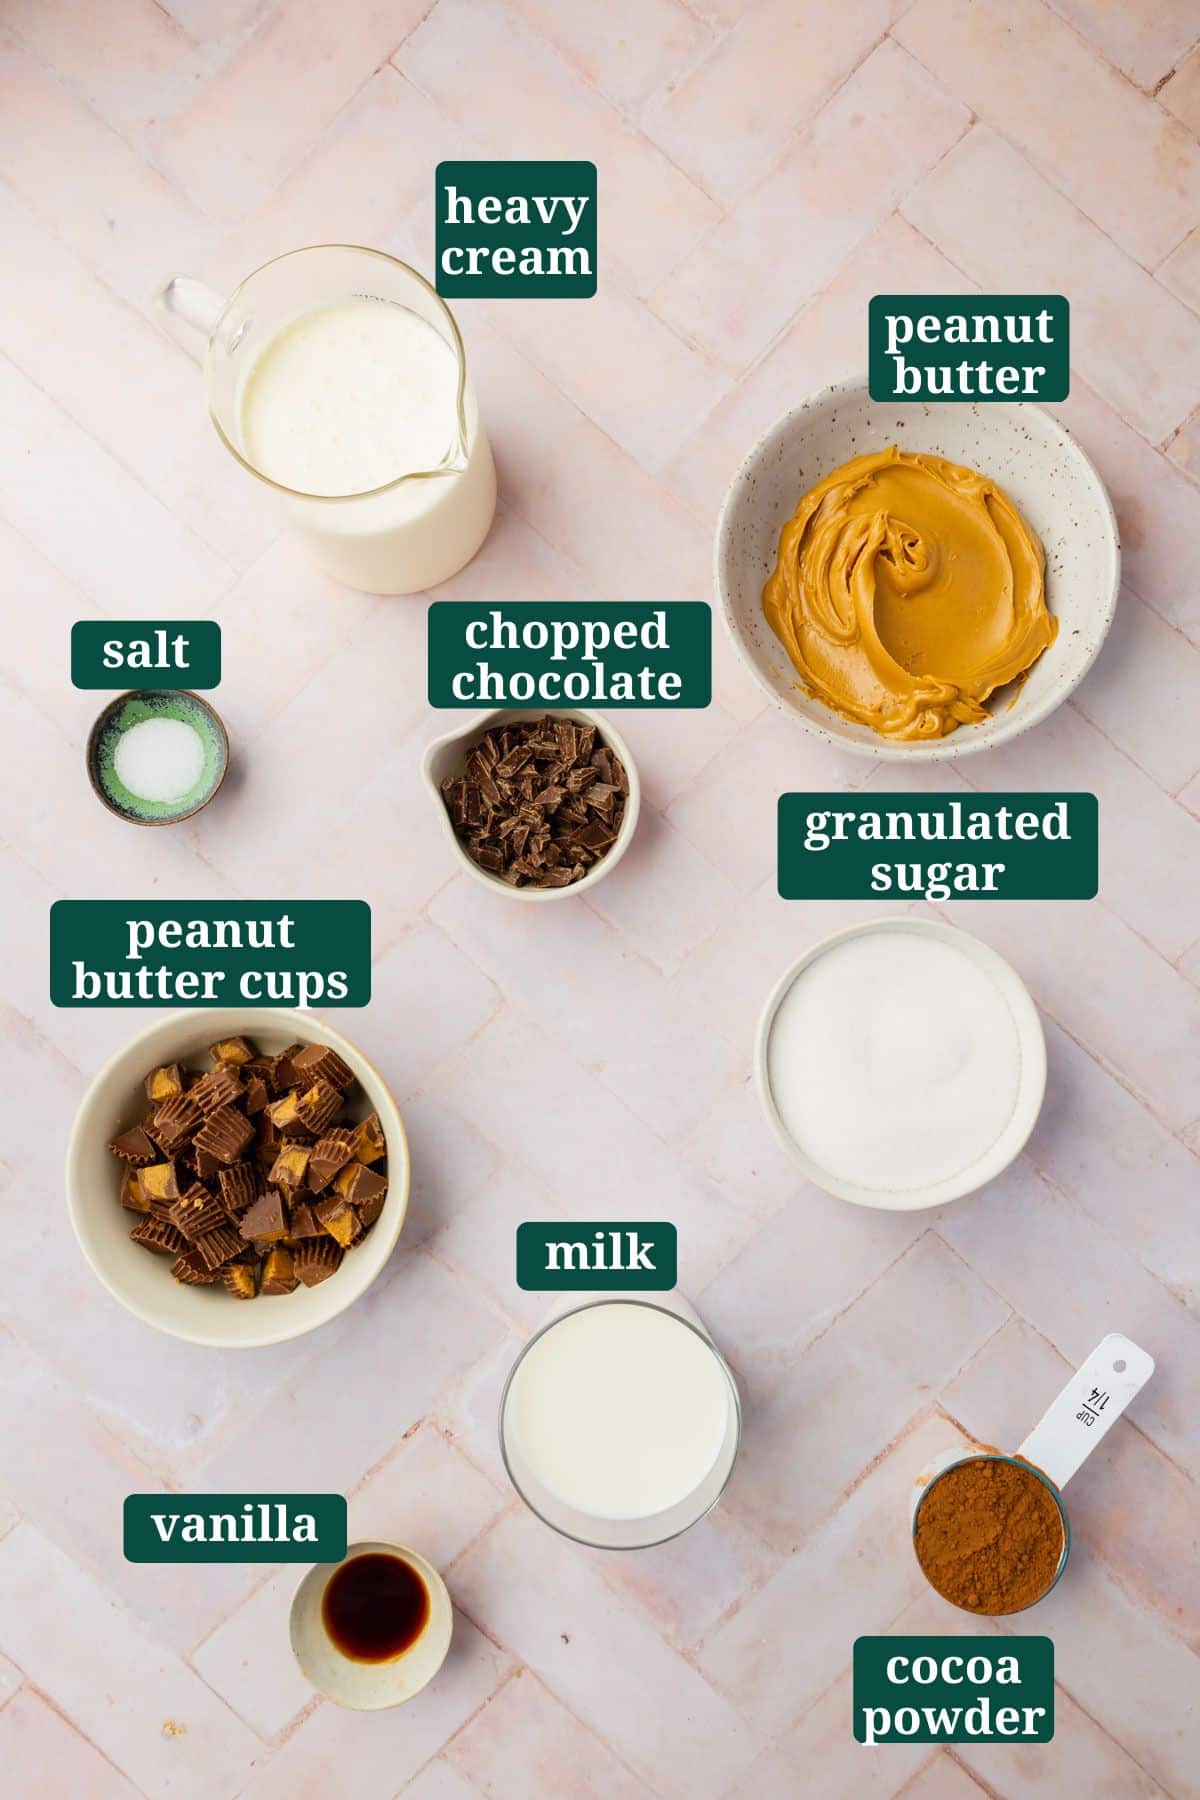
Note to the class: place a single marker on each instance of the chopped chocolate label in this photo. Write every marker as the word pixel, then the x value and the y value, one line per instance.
pixel 537 654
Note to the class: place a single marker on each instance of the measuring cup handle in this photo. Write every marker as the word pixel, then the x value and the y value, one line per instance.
pixel 192 301
pixel 1092 1401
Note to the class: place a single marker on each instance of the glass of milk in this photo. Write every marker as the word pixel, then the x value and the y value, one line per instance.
pixel 620 1422
pixel 336 375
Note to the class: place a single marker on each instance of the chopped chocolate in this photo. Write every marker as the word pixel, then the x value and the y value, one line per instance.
pixel 240 1187
pixel 267 1220
pixel 134 1146
pixel 539 802
pixel 160 1235
pixel 278 1273
pixel 319 1105
pixel 232 1050
pixel 290 1167
pixel 164 1084
pixel 330 1153
pixel 317 1259
pixel 225 1134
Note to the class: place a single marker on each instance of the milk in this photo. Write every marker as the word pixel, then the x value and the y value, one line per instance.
pixel 620 1411
pixel 353 395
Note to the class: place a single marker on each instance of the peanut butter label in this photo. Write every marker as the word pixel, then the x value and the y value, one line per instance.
pixel 969 347
pixel 207 1528
pixel 210 953
pixel 953 1690
pixel 146 653
pixel 538 654
pixel 516 230
pixel 938 847
pixel 601 1255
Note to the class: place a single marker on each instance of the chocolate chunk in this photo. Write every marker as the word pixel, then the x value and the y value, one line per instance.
pixel 267 1220
pixel 134 1146
pixel 159 1235
pixel 283 1075
pixel 317 1259
pixel 290 1167
pixel 225 1134
pixel 240 1187
pixel 319 1105
pixel 530 787
pixel 232 1050
pixel 331 1152
pixel 207 1165
pixel 339 1219
pixel 164 1084
pixel 319 1062
pixel 278 1272
pixel 286 1117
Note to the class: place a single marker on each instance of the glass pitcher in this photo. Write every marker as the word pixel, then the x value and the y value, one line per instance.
pixel 421 525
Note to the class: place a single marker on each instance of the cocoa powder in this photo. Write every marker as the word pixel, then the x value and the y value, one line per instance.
pixel 989 1535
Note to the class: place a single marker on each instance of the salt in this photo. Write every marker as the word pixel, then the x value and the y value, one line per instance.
pixel 894 1061
pixel 159 759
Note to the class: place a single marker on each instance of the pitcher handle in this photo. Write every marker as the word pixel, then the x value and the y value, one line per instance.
pixel 193 302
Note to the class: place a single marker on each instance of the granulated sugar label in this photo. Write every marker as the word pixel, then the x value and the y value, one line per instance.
pixel 953 1690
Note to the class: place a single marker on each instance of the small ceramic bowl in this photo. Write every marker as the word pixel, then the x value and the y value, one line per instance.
pixel 1031 1092
pixel 1032 457
pixel 368 1687
pixel 141 1281
pixel 447 755
pixel 134 708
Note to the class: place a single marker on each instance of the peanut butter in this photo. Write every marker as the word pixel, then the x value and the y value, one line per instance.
pixel 906 591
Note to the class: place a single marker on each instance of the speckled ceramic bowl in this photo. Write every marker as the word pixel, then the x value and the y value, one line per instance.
pixel 1038 464
pixel 369 1687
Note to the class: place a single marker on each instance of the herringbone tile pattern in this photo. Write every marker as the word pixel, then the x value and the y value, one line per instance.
pixel 765 168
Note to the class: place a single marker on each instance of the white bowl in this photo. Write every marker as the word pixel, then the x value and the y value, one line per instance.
pixel 447 755
pixel 368 1687
pixel 1031 1091
pixel 1032 457
pixel 141 1281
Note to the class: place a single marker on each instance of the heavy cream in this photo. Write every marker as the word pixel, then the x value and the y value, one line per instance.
pixel 353 406
pixel 620 1411
pixel 350 396
pixel 894 1061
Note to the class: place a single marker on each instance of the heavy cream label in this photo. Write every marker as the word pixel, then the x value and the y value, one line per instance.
pixel 516 230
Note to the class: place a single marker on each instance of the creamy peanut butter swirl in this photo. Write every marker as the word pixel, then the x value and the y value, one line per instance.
pixel 906 591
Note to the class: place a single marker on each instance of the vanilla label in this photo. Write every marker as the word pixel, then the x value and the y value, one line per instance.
pixel 266 1528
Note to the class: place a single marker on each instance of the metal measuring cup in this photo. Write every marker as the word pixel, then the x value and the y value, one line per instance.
pixel 1064 1437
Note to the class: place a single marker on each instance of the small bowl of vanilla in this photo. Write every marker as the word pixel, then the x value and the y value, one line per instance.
pixel 157 756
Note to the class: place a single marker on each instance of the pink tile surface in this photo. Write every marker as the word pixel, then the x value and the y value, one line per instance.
pixel 765 167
